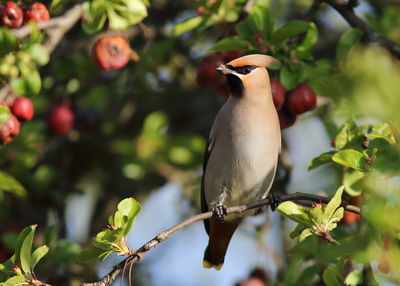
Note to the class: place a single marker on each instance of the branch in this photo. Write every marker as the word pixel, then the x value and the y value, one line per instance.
pixel 56 28
pixel 347 12
pixel 140 252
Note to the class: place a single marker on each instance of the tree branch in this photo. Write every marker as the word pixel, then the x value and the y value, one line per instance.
pixel 347 12
pixel 140 252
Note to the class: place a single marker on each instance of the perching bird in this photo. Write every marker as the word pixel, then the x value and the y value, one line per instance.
pixel 242 151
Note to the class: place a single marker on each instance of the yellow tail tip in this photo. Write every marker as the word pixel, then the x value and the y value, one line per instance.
pixel 207 264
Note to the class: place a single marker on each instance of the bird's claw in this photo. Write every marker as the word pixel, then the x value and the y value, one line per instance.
pixel 219 211
pixel 275 200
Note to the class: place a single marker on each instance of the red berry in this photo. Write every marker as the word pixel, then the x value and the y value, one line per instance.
pixel 11 15
pixel 278 93
pixel 22 108
pixel 9 130
pixel 111 52
pixel 350 218
pixel 231 55
pixel 61 119
pixel 301 99
pixel 207 75
pixel 200 10
pixel 286 118
pixel 37 12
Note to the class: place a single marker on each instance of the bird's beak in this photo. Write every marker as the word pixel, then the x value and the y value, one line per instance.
pixel 224 70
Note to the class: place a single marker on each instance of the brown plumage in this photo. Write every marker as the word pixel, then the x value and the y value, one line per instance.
pixel 241 156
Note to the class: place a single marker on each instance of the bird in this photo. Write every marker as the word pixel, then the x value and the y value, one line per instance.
pixel 242 152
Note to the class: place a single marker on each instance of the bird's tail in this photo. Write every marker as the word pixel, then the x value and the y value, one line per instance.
pixel 220 236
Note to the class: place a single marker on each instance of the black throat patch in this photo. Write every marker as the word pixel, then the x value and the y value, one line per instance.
pixel 235 85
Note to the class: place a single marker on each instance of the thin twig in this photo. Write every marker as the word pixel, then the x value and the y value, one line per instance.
pixel 139 253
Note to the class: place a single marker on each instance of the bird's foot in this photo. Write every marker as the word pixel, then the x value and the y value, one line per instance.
pixel 275 200
pixel 219 211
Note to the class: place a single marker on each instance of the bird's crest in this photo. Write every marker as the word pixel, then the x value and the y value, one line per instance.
pixel 258 60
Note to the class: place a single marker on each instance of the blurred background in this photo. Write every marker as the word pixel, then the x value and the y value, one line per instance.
pixel 140 132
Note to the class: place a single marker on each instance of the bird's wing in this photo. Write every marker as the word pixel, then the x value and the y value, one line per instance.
pixel 204 206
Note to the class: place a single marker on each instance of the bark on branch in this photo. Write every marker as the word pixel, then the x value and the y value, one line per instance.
pixel 140 252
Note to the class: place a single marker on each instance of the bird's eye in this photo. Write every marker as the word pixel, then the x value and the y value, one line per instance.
pixel 247 70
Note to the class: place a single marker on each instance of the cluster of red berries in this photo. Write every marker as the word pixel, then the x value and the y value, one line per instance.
pixel 111 52
pixel 21 110
pixel 61 119
pixel 290 104
pixel 13 16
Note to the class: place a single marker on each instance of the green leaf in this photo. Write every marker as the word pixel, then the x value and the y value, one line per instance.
pixel 351 158
pixel 187 25
pixel 106 238
pixel 89 254
pixel 263 21
pixel 21 238
pixel 95 16
pixel 290 76
pixel 309 40
pixel 333 204
pixel 331 277
pixel 39 54
pixel 29 83
pixel 305 233
pixel 320 160
pixel 155 123
pixel 354 278
pixel 229 44
pixel 289 30
pixel 336 217
pixel 383 131
pixel 349 135
pixel 38 254
pixel 15 281
pixel 347 41
pixel 26 251
pixel 352 182
pixel 8 42
pixel 297 231
pixel 128 208
pixel 116 21
pixel 297 213
pixel 5 114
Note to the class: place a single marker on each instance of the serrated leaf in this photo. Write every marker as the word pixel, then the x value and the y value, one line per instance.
pixel 344 135
pixel 351 158
pixel 354 278
pixel 89 254
pixel 229 44
pixel 320 160
pixel 15 281
pixel 333 204
pixel 5 114
pixel 351 182
pixel 187 25
pixel 347 41
pixel 331 277
pixel 26 251
pixel 309 40
pixel 128 208
pixel 38 254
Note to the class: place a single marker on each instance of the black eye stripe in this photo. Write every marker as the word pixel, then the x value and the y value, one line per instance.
pixel 243 69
